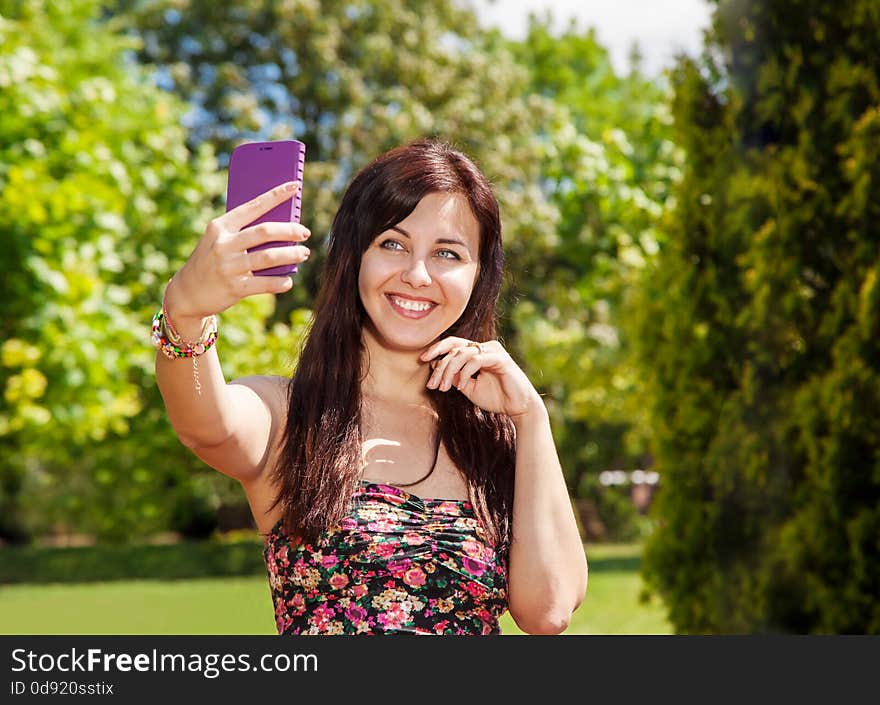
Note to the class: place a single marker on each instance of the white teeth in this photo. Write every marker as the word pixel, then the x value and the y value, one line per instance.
pixel 412 305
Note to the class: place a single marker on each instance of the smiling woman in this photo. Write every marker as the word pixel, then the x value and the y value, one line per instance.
pixel 401 383
pixel 428 274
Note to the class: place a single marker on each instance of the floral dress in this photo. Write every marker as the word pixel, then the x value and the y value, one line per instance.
pixel 395 564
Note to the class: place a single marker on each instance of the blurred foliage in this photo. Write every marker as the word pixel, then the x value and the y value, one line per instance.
pixel 101 563
pixel 759 330
pixel 607 164
pixel 100 202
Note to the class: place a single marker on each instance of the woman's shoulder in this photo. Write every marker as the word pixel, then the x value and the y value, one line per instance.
pixel 261 489
pixel 274 381
pixel 272 389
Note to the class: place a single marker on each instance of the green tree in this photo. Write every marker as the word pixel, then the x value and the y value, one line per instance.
pixel 759 327
pixel 100 201
pixel 607 165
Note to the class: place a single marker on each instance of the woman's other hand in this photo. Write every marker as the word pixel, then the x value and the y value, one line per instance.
pixel 500 387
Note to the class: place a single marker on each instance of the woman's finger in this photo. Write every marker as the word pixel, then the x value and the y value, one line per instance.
pixel 273 257
pixel 473 360
pixel 444 346
pixel 444 376
pixel 248 212
pixel 249 285
pixel 440 363
pixel 472 367
pixel 270 232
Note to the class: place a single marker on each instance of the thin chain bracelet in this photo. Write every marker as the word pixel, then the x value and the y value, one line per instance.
pixel 196 379
pixel 161 339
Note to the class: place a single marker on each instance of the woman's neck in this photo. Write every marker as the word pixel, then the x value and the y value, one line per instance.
pixel 394 375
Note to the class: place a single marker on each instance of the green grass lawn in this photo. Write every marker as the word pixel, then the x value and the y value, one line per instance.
pixel 611 605
pixel 243 605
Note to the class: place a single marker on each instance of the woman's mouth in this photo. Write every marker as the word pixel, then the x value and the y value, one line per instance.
pixel 409 308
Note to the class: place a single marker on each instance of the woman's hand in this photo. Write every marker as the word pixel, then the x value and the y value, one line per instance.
pixel 219 272
pixel 500 387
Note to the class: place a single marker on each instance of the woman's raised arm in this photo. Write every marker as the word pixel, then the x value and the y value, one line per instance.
pixel 203 409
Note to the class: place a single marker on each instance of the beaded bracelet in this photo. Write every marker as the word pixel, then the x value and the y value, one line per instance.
pixel 172 345
pixel 166 339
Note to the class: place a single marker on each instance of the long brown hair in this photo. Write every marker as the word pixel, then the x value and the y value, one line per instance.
pixel 319 465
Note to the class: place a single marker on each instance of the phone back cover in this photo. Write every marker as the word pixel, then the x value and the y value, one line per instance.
pixel 257 167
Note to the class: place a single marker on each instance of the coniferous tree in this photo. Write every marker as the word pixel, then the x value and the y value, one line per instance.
pixel 759 327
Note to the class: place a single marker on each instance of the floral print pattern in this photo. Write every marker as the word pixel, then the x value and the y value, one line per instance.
pixel 396 564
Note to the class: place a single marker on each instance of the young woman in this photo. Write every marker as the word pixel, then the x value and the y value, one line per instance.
pixel 400 384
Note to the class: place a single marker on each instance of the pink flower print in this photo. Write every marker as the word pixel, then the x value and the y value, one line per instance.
pixel 358 591
pixel 440 627
pixel 382 526
pixel 472 548
pixel 385 549
pixel 356 614
pixel 447 508
pixel 338 581
pixel 281 555
pixel 390 496
pixel 473 567
pixel 393 617
pixel 414 538
pixel 329 561
pixel 321 615
pixel 348 523
pixel 414 577
pixel 297 604
pixel 399 567
pixel 474 589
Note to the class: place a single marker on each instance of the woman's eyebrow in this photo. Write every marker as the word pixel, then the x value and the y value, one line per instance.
pixel 444 240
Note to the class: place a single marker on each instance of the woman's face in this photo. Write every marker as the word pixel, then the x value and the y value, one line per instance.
pixel 416 278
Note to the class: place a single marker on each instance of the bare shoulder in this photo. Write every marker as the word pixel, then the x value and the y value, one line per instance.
pixel 260 490
pixel 271 389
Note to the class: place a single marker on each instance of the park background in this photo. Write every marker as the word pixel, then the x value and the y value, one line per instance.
pixel 692 260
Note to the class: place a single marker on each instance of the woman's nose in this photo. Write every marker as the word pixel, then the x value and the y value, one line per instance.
pixel 416 274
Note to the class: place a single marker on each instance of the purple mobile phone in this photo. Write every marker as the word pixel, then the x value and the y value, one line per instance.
pixel 257 167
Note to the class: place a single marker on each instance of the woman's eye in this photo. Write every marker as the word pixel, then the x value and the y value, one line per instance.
pixel 395 245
